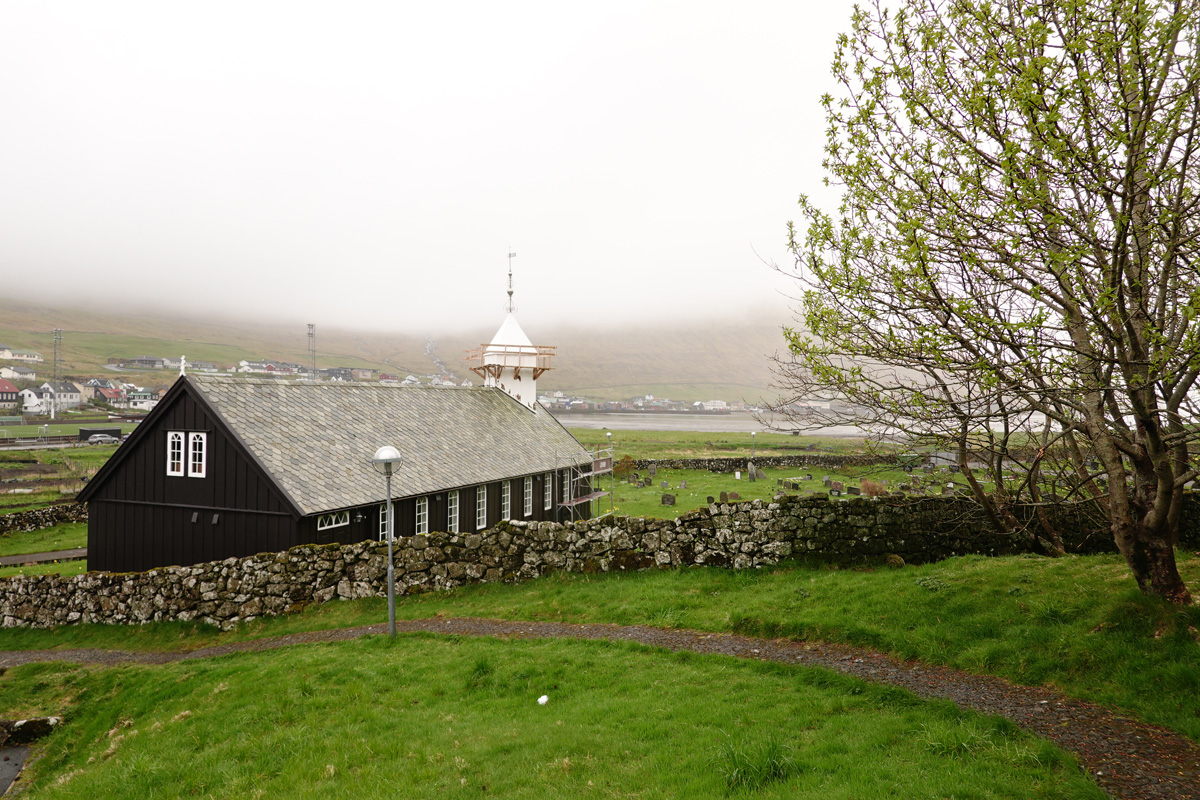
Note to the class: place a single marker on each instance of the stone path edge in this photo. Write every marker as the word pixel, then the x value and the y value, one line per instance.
pixel 1129 759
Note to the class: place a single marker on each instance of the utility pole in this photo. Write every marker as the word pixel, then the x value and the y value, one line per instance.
pixel 312 348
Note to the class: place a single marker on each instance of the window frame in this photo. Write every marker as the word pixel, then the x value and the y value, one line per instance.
pixel 422 515
pixel 528 496
pixel 452 511
pixel 334 519
pixel 506 500
pixel 197 445
pixel 548 493
pixel 176 454
pixel 480 507
pixel 383 515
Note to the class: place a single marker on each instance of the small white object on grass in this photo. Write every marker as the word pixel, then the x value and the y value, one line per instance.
pixel 543 700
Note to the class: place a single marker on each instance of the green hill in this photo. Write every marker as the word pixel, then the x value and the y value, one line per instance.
pixel 725 359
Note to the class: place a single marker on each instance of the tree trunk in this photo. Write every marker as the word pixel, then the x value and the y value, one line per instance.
pixel 1151 558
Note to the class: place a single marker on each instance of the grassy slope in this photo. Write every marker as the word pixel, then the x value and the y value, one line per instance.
pixel 1077 623
pixel 433 717
pixel 726 359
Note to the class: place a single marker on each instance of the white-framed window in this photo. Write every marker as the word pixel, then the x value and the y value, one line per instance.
pixel 528 505
pixel 567 489
pixel 383 522
pixel 548 501
pixel 335 520
pixel 452 511
pixel 422 515
pixel 197 454
pixel 506 500
pixel 480 507
pixel 175 464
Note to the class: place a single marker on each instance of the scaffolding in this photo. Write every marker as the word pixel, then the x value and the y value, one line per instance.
pixel 579 484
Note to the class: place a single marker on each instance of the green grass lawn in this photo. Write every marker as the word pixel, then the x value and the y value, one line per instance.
pixel 628 499
pixel 65 568
pixel 434 717
pixel 66 536
pixel 1077 623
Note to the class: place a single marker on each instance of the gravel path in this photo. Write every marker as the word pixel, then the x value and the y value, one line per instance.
pixel 1129 759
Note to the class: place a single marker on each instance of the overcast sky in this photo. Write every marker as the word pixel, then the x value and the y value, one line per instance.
pixel 371 164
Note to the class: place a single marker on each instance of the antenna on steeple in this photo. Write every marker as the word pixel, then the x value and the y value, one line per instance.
pixel 511 307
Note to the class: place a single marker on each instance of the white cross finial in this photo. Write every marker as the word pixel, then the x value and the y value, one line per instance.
pixel 511 307
pixel 182 366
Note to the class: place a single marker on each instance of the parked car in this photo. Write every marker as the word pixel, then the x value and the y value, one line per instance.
pixel 103 438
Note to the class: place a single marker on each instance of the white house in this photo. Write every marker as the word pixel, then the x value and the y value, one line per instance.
pixel 65 394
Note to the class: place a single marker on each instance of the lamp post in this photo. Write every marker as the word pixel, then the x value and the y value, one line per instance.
pixel 385 460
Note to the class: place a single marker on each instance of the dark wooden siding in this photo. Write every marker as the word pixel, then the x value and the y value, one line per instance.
pixel 141 518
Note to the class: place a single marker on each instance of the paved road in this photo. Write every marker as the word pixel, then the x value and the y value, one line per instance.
pixel 40 558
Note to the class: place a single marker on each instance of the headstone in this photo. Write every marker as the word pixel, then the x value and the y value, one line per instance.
pixel 828 481
pixel 808 476
pixel 664 485
pixel 683 484
pixel 711 500
pixel 641 484
pixel 927 468
pixel 762 476
pixel 668 499
pixel 837 486
pixel 854 490
pixel 653 470
pixel 734 496
pixel 779 481
pixel 737 475
pixel 795 486
pixel 835 493
pixel 724 497
pixel 752 474
pixel 948 488
pixel 825 479
pixel 637 477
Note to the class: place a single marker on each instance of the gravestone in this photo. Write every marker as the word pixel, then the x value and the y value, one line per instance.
pixel 835 493
pixel 636 476
pixel 641 484
pixel 724 497
pixel 762 476
pixel 927 468
pixel 779 481
pixel 795 486
pixel 668 499
pixel 664 485
pixel 948 488
pixel 825 479
pixel 653 470
pixel 734 496
pixel 828 481
pixel 854 490
pixel 808 476
pixel 711 500
pixel 837 486
pixel 683 484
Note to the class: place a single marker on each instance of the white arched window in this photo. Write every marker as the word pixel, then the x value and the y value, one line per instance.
pixel 175 453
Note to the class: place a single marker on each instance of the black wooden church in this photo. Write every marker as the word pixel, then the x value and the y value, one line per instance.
pixel 231 467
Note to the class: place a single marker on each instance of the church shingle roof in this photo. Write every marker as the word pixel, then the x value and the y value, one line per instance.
pixel 316 439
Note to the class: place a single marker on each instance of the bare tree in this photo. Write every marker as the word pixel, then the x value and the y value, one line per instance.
pixel 1013 258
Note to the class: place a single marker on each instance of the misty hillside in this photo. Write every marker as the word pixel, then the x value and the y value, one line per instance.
pixel 719 359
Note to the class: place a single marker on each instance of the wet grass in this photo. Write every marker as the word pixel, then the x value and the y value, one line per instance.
pixel 1077 623
pixel 426 716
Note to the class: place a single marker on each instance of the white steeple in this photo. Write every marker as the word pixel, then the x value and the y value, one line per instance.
pixel 511 362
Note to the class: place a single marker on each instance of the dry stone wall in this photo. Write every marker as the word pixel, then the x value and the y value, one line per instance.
pixel 831 461
pixel 737 535
pixel 39 518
